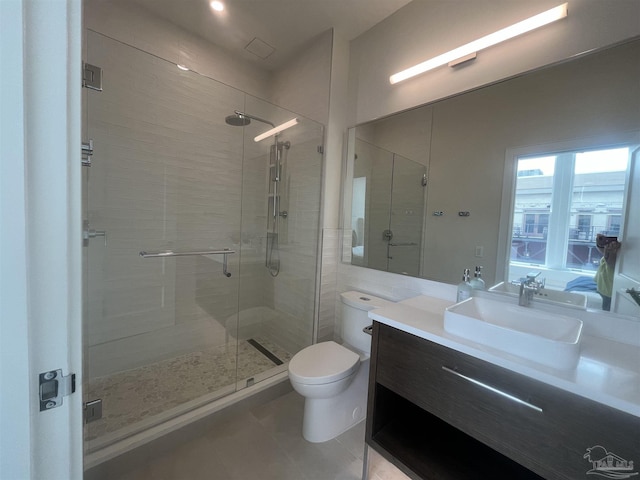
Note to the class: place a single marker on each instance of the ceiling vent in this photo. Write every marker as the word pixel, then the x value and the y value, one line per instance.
pixel 259 48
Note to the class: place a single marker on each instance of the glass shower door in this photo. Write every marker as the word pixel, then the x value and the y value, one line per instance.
pixel 282 179
pixel 406 216
pixel 374 166
pixel 166 176
pixel 388 202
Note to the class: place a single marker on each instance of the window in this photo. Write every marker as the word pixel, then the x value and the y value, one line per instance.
pixel 584 226
pixel 536 224
pixel 561 202
pixel 613 224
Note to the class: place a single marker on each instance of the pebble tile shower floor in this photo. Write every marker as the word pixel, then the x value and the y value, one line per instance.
pixel 136 395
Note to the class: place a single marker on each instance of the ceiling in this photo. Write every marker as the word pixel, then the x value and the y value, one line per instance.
pixel 286 25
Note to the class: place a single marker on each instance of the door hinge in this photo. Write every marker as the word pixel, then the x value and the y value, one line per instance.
pixel 87 153
pixel 93 410
pixel 91 77
pixel 320 149
pixel 54 386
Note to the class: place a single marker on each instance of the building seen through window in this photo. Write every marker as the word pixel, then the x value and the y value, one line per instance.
pixel 562 202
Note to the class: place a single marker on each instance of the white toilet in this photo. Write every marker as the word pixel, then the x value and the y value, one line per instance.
pixel 333 378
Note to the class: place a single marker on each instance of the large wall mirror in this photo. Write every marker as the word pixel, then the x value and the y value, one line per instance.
pixel 517 176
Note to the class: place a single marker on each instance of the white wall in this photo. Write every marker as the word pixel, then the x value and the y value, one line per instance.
pixel 303 84
pixel 423 29
pixel 40 274
pixel 335 131
pixel 15 372
pixel 335 150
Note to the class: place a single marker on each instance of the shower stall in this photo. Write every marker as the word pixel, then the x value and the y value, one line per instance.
pixel 201 241
pixel 277 172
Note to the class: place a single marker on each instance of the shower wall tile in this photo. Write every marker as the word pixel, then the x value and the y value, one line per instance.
pixel 131 24
pixel 166 175
pixel 201 286
pixel 292 292
pixel 144 349
pixel 291 332
pixel 390 286
pixel 159 179
pixel 254 192
pixel 253 278
pixel 328 284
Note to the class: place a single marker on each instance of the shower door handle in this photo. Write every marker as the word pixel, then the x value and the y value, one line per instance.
pixel 169 253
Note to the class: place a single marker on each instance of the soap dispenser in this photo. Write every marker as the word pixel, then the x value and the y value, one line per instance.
pixel 464 288
pixel 477 283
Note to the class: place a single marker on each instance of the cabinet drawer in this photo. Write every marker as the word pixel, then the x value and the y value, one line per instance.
pixel 546 429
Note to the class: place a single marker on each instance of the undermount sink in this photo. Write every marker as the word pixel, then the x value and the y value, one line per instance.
pixel 546 338
pixel 545 295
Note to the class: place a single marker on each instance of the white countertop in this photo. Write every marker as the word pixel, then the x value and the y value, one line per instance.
pixel 607 372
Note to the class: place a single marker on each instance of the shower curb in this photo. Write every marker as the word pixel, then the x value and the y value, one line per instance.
pixel 185 424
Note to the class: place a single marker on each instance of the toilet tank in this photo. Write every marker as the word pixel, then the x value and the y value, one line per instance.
pixel 355 309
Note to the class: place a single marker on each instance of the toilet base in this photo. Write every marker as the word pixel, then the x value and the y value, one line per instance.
pixel 326 418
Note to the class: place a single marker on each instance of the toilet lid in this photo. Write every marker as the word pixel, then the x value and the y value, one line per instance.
pixel 324 362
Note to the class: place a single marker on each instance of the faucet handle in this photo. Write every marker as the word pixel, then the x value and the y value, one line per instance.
pixel 532 276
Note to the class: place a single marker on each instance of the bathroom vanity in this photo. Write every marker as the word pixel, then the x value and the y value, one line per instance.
pixel 440 407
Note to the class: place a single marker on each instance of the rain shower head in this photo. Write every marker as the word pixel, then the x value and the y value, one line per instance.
pixel 237 120
pixel 241 119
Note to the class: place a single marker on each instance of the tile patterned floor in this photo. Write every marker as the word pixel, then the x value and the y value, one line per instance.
pixel 262 443
pixel 139 394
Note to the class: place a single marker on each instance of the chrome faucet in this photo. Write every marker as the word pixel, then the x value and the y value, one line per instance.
pixel 528 287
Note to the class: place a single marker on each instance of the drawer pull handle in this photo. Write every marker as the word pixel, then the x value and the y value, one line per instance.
pixel 492 389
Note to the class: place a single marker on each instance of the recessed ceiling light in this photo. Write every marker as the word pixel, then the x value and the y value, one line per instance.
pixel 217 6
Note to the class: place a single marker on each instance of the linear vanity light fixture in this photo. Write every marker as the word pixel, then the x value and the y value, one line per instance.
pixel 277 129
pixel 468 51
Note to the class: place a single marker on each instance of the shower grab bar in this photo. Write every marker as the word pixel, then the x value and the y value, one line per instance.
pixel 409 244
pixel 169 253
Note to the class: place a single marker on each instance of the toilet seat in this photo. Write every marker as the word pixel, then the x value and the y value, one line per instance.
pixel 324 362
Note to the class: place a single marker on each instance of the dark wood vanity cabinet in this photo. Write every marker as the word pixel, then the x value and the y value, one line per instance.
pixel 439 414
